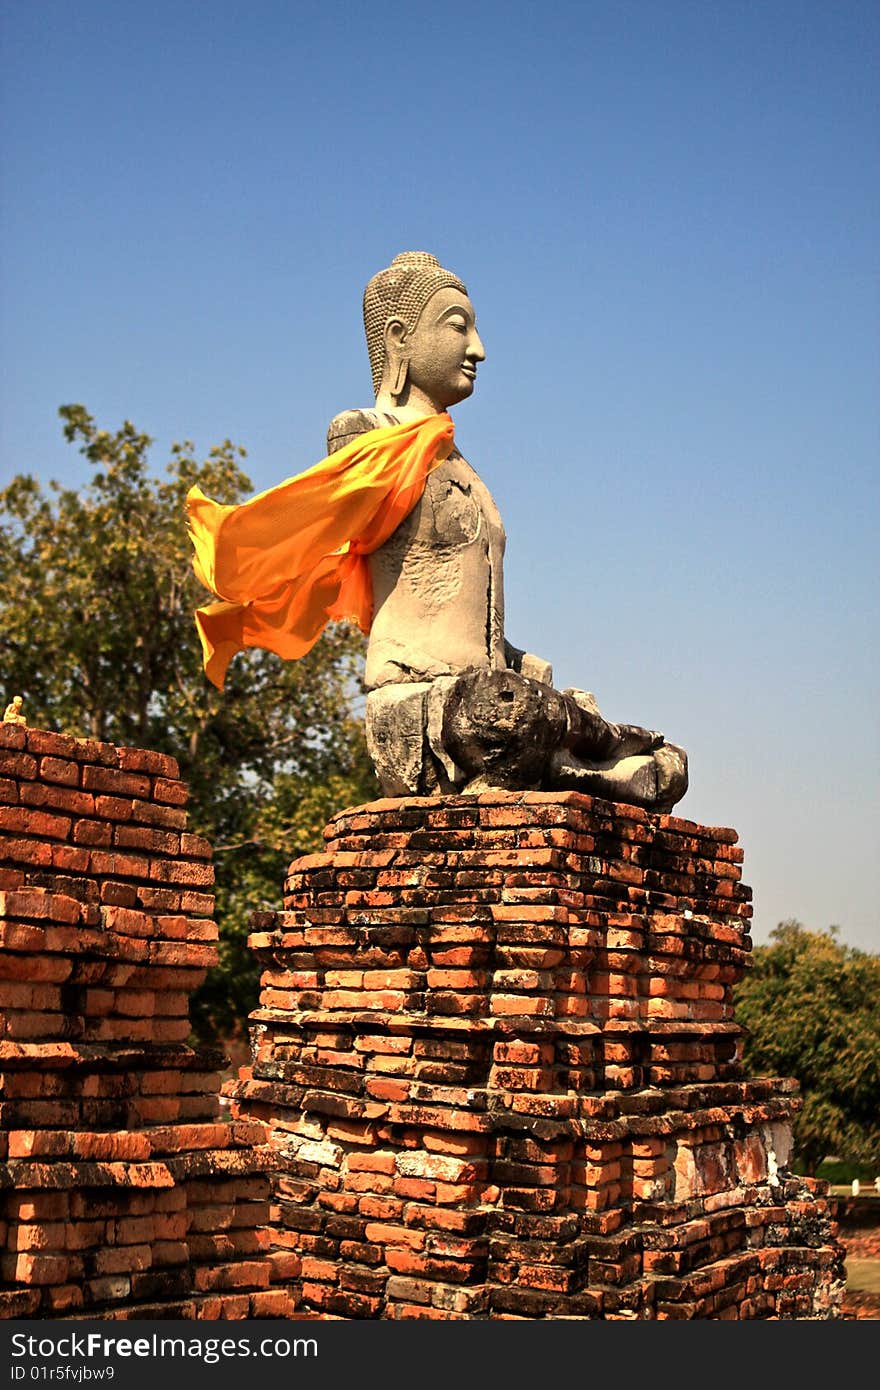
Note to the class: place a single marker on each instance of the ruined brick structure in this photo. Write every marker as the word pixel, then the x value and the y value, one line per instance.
pixel 495 1067
pixel 497 1055
pixel 124 1190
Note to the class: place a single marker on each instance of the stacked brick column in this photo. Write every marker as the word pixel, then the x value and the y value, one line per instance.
pixel 124 1189
pixel 497 1056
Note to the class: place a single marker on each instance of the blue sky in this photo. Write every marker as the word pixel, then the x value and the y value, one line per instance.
pixel 667 217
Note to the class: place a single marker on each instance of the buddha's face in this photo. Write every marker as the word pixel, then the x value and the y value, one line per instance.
pixel 444 349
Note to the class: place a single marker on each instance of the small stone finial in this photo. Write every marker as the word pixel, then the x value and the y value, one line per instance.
pixel 13 714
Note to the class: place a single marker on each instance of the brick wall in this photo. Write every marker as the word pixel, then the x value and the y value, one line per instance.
pixel 495 1067
pixel 498 1062
pixel 125 1191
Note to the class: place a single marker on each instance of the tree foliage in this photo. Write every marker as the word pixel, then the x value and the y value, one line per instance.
pixel 97 633
pixel 812 1008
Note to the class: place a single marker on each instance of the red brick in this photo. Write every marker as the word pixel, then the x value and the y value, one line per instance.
pixel 92 832
pixel 375 1162
pixel 127 836
pixel 38 1269
pixel 65 1297
pixel 24 821
pixel 172 792
pixel 115 808
pixel 56 797
pixel 394 1236
pixel 252 1274
pixel 18 765
pixel 115 782
pixel 59 770
pixel 146 760
pixel 196 846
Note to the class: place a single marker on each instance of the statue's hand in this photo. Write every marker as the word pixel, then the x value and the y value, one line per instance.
pixel 633 739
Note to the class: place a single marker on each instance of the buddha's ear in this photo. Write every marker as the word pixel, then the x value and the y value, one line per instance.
pixel 396 356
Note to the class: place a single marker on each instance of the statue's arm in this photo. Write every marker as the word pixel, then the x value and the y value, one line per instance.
pixel 346 426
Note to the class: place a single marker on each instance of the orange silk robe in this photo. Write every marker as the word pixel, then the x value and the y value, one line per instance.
pixel 285 563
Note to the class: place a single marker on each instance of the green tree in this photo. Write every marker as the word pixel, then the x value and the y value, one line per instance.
pixel 812 1008
pixel 96 631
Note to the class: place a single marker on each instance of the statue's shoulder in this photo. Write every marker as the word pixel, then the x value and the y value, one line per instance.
pixel 348 424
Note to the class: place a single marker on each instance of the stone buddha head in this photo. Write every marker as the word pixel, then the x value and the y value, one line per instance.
pixel 421 335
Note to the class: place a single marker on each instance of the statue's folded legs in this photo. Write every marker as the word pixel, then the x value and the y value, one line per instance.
pixel 483 729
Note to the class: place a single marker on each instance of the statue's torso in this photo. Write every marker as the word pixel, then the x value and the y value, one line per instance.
pixel 438 581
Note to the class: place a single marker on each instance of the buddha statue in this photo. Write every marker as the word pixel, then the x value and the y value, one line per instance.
pixel 452 706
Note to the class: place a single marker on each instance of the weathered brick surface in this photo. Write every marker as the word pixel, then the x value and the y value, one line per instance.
pixel 125 1192
pixel 498 1061
pixel 495 1067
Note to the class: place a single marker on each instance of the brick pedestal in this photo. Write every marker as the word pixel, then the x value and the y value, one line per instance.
pixel 124 1189
pixel 497 1057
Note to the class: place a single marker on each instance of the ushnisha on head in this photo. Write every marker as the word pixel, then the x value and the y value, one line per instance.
pixel 421 335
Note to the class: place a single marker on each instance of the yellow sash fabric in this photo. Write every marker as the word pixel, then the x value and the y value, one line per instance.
pixel 285 563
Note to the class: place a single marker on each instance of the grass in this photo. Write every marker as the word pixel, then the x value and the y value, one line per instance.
pixel 863 1276
pixel 841 1172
